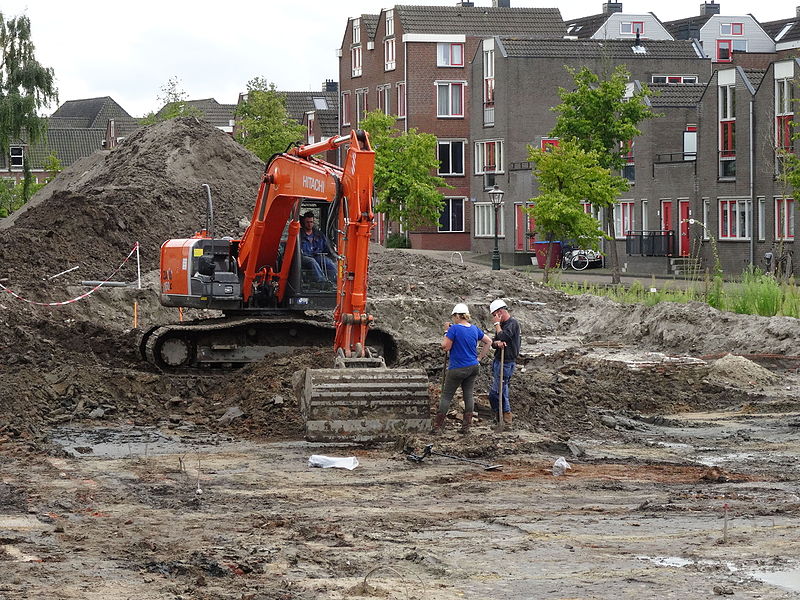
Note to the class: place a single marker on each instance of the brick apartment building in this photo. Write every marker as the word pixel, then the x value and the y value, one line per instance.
pixel 412 61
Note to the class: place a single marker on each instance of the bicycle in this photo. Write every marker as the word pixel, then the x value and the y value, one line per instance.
pixel 578 259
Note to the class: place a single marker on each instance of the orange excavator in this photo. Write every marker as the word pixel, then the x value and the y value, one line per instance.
pixel 273 304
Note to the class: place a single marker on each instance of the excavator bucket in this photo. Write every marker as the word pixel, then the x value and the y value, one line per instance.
pixel 364 404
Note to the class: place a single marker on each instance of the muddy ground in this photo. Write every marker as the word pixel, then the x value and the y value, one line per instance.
pixel 117 481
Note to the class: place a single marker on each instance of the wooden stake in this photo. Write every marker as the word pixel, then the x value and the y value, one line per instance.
pixel 135 314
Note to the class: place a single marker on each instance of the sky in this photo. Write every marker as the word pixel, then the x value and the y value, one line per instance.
pixel 129 51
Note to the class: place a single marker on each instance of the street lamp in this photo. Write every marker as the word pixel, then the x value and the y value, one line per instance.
pixel 496 198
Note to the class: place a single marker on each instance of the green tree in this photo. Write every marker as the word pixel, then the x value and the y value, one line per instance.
pixel 25 85
pixel 53 165
pixel 265 127
pixel 568 175
pixel 601 117
pixel 404 166
pixel 173 100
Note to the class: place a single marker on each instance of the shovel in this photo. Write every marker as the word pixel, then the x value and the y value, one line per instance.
pixel 500 424
pixel 428 451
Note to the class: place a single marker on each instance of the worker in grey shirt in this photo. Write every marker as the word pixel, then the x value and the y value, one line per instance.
pixel 507 336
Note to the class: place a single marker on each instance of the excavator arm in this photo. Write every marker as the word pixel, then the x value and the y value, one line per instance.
pixel 297 175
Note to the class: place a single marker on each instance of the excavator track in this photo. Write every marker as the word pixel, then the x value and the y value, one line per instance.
pixel 229 343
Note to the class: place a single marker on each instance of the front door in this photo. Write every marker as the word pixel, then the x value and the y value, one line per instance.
pixel 521 232
pixel 683 209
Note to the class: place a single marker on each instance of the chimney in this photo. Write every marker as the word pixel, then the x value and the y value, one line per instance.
pixel 709 8
pixel 612 7
pixel 501 3
pixel 330 86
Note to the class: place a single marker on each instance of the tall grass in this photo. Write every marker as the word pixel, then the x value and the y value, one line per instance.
pixel 755 293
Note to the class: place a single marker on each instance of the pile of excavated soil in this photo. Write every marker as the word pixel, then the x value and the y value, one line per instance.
pixel 739 371
pixel 79 362
pixel 148 190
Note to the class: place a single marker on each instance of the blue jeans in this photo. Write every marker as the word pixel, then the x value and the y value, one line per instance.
pixel 508 370
pixel 322 268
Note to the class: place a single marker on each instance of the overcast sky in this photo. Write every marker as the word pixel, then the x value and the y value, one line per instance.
pixel 129 50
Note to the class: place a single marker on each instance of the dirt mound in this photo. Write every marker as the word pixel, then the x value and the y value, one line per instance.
pixel 148 190
pixel 739 371
pixel 692 328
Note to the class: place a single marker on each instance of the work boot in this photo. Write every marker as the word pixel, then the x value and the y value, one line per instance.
pixel 507 418
pixel 466 423
pixel 438 423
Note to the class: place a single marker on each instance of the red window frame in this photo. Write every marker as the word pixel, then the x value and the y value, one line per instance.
pixel 453 46
pixel 729 44
pixel 548 143
pixel 488 91
pixel 783 132
pixel 489 157
pixel 727 139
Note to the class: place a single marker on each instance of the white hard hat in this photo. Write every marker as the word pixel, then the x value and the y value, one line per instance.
pixel 460 309
pixel 497 304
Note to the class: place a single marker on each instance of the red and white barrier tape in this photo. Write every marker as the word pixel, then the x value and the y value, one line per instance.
pixel 82 296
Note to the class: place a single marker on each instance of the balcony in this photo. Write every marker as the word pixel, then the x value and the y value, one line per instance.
pixel 650 243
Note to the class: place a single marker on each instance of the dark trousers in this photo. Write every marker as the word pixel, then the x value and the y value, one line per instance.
pixel 460 376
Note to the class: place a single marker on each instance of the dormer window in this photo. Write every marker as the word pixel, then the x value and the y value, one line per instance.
pixel 731 28
pixel 631 27
pixel 17 157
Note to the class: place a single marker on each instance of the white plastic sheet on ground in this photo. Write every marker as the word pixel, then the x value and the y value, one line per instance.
pixel 326 462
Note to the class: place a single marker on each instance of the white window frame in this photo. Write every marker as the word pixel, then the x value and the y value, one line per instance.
pixel 346 108
pixel 784 218
pixel 357 31
pixel 448 54
pixel 401 99
pixel 356 61
pixel 448 200
pixel 483 220
pixel 645 216
pixel 310 126
pixel 480 157
pixel 727 114
pixel 449 143
pixel 762 218
pixel 706 216
pixel 362 103
pixel 390 22
pixel 16 157
pixel 450 86
pixel 389 60
pixel 623 218
pixel 384 96
pixel 742 219
pixel 665 78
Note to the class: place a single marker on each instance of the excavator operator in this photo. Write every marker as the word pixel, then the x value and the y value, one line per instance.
pixel 314 249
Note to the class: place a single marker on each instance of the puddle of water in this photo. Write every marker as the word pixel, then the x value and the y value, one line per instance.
pixel 668 561
pixel 788 580
pixel 104 442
